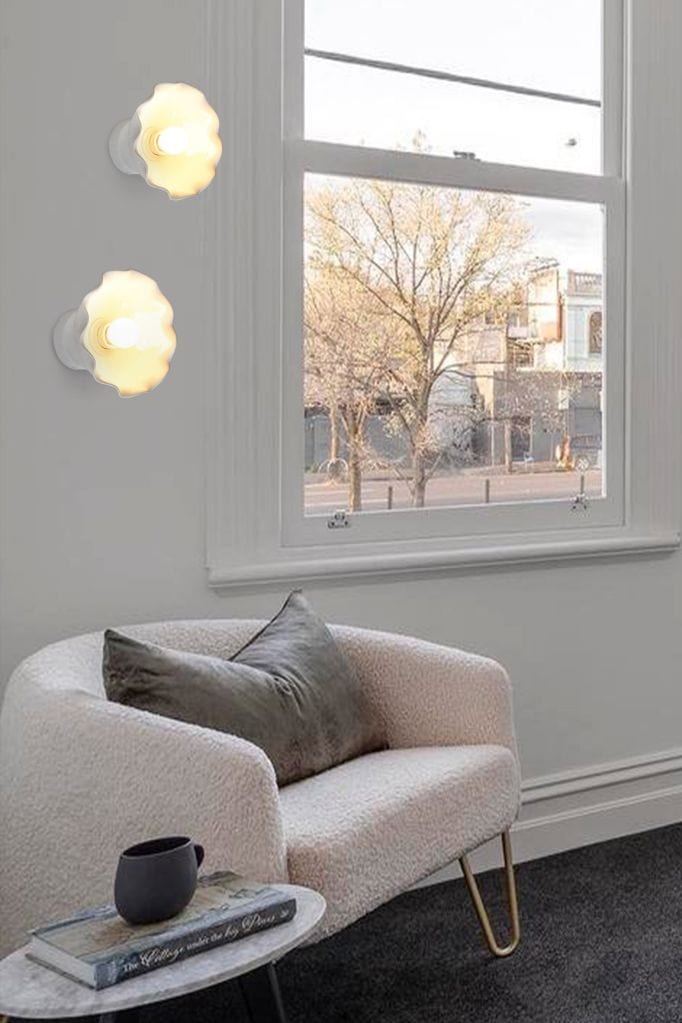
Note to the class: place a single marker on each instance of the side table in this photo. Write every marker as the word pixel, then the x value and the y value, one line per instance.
pixel 31 991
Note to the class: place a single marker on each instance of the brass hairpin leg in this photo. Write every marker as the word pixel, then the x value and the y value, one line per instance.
pixel 481 911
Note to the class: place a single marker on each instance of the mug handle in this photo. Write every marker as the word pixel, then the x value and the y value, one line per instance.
pixel 199 853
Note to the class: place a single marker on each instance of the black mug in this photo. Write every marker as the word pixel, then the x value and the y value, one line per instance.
pixel 155 880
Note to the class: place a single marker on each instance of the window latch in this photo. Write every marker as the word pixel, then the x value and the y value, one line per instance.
pixel 338 520
pixel 580 502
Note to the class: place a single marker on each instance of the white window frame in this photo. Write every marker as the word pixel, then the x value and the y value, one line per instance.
pixel 257 529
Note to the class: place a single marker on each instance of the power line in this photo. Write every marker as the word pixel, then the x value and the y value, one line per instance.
pixel 447 76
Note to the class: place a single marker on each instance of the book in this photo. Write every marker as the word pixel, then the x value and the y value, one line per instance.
pixel 98 948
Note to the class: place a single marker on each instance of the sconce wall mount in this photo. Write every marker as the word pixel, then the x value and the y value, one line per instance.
pixel 122 147
pixel 66 338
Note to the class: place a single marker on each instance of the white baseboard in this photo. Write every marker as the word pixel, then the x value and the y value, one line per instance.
pixel 576 808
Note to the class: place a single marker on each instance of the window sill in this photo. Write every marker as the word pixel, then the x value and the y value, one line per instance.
pixel 385 564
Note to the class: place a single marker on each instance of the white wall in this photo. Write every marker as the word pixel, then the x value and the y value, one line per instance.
pixel 102 499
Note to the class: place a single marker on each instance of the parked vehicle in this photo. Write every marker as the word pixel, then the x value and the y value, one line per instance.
pixel 580 452
pixel 585 452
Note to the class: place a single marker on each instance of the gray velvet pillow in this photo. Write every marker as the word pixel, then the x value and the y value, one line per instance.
pixel 290 691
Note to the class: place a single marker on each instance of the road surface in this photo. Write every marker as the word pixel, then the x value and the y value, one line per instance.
pixel 466 488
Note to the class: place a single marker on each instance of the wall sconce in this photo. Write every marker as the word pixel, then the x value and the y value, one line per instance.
pixel 172 140
pixel 122 332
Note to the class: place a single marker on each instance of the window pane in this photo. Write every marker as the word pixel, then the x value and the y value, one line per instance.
pixel 453 347
pixel 545 44
pixel 537 44
pixel 364 106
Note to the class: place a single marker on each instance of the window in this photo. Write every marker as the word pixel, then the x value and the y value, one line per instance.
pixel 595 333
pixel 450 257
pixel 438 367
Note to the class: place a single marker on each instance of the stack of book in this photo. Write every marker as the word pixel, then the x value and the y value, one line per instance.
pixel 99 949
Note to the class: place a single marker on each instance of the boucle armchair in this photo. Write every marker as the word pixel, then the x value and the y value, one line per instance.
pixel 82 778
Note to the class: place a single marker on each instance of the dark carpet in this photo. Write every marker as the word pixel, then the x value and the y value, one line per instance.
pixel 601 943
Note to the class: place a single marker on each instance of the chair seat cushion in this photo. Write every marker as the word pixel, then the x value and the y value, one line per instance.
pixel 364 831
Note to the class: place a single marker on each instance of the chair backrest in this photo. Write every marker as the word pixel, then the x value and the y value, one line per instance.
pixel 76 664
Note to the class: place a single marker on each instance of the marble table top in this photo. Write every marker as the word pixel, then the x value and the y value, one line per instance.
pixel 30 990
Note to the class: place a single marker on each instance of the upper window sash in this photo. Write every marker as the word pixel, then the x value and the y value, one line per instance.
pixel 497 87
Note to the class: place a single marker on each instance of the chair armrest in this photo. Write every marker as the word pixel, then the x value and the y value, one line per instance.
pixel 218 788
pixel 430 695
pixel 82 779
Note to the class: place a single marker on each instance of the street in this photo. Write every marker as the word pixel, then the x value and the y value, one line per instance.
pixel 464 488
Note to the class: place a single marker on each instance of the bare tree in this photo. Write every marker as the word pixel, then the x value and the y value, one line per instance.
pixel 346 353
pixel 430 262
pixel 541 398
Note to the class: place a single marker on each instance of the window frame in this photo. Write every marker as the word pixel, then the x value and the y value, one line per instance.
pixel 255 531
pixel 305 156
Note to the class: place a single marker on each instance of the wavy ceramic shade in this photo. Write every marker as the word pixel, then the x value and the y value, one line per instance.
pixel 122 333
pixel 172 140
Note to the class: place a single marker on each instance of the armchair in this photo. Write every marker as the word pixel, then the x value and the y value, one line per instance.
pixel 81 778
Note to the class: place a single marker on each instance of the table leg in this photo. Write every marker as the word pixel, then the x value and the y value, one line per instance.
pixel 260 989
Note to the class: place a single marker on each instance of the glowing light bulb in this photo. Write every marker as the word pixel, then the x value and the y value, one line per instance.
pixel 130 352
pixel 122 333
pixel 173 141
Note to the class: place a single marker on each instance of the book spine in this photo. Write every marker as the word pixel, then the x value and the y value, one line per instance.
pixel 169 952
